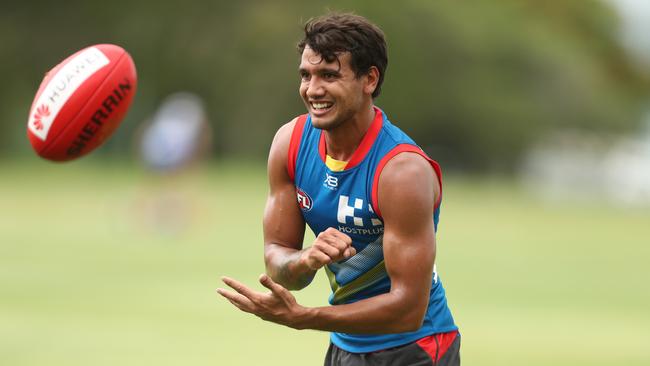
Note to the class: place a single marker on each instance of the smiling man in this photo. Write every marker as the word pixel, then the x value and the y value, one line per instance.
pixel 372 198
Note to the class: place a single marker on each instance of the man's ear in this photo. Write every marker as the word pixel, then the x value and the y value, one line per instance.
pixel 372 78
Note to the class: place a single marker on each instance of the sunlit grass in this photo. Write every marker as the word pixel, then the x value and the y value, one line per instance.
pixel 106 264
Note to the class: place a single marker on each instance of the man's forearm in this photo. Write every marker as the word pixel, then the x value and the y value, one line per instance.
pixel 387 313
pixel 285 267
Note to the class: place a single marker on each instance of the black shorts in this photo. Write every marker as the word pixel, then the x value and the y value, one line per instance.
pixel 425 352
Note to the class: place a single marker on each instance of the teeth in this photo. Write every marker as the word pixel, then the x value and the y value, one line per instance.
pixel 321 105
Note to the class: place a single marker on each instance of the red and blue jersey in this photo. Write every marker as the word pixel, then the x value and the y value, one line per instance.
pixel 347 200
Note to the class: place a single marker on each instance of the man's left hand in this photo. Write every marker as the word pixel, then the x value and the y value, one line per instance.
pixel 278 306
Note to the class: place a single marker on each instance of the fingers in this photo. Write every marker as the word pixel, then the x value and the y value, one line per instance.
pixel 275 288
pixel 244 298
pixel 349 252
pixel 239 287
pixel 335 244
pixel 278 306
pixel 346 239
pixel 330 247
pixel 240 301
pixel 336 238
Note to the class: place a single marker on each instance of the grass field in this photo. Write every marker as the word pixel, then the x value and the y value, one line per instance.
pixel 95 269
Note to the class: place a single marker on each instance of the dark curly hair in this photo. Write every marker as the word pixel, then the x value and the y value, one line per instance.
pixel 334 33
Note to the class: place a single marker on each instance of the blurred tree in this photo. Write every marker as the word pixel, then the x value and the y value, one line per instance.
pixel 474 82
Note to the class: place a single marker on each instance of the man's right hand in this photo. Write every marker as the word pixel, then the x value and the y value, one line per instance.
pixel 330 246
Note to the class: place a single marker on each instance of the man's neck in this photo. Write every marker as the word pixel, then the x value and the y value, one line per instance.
pixel 342 141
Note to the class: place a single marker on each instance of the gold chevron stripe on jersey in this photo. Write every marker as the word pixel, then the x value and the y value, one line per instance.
pixel 340 294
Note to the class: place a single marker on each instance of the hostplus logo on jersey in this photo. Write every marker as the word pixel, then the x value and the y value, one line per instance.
pixel 348 213
pixel 331 182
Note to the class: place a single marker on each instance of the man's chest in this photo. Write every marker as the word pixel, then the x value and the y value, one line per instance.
pixel 340 200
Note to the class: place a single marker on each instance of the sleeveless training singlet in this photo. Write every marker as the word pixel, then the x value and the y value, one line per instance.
pixel 347 200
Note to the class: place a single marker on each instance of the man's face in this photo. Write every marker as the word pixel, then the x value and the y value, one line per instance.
pixel 330 90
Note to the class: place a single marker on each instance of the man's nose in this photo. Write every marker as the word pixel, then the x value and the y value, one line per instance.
pixel 315 88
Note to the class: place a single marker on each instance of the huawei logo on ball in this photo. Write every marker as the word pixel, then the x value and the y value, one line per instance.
pixel 42 111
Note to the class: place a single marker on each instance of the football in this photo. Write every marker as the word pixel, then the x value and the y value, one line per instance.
pixel 81 102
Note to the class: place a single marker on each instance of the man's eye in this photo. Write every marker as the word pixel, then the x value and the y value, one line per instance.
pixel 304 76
pixel 329 75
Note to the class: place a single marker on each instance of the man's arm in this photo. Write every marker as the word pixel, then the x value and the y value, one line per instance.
pixel 408 189
pixel 284 226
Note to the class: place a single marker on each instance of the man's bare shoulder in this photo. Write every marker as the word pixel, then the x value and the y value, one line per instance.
pixel 406 168
pixel 279 152
pixel 283 134
pixel 407 180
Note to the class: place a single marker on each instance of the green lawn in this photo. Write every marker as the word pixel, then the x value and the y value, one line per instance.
pixel 95 269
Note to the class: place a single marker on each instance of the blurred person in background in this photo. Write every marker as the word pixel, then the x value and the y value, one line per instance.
pixel 372 198
pixel 177 138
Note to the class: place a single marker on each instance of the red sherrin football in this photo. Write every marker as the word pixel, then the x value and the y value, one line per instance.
pixel 81 101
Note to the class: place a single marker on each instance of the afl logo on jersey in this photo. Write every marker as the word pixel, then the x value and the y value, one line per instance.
pixel 304 201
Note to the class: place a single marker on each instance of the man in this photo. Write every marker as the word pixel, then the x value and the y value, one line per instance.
pixel 371 196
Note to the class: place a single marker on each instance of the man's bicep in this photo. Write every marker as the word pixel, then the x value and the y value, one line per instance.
pixel 407 191
pixel 283 222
